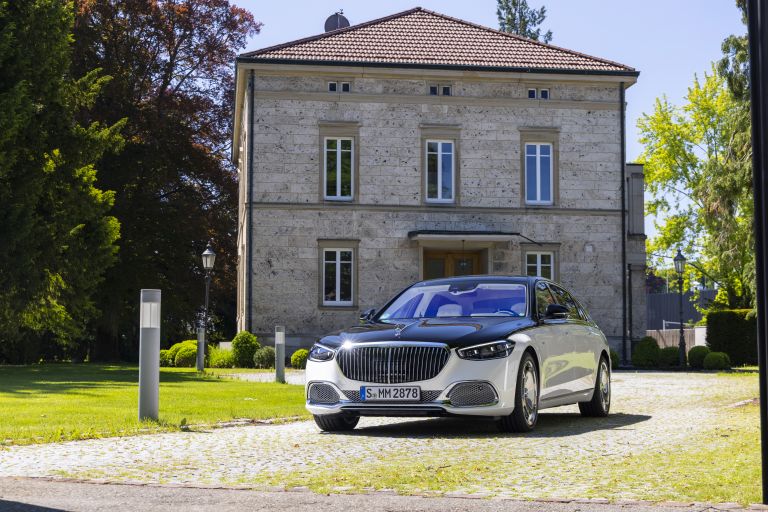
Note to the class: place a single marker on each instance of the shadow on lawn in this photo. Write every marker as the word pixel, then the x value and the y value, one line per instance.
pixel 69 378
pixel 549 425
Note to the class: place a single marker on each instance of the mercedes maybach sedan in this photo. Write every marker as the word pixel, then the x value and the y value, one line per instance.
pixel 504 347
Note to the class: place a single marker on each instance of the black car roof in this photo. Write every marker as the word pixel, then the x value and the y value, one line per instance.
pixel 486 278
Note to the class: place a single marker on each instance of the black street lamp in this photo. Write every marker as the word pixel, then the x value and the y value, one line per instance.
pixel 209 258
pixel 680 268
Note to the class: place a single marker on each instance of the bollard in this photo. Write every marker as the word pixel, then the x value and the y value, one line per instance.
pixel 149 354
pixel 280 354
pixel 200 349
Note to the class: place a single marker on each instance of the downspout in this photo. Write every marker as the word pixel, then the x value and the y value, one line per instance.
pixel 623 229
pixel 249 229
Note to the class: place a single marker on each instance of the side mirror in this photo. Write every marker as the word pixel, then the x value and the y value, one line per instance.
pixel 556 311
pixel 367 315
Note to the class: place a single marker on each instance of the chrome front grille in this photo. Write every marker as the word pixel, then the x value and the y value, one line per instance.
pixel 395 363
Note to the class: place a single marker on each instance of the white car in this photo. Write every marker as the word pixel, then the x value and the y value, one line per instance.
pixel 497 346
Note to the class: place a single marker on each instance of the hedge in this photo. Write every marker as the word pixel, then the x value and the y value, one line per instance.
pixel 696 356
pixel 717 361
pixel 244 345
pixel 646 353
pixel 733 332
pixel 669 356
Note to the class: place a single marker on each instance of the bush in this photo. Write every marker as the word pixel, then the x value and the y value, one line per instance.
pixel 299 358
pixel 696 356
pixel 264 358
pixel 615 359
pixel 186 356
pixel 177 346
pixel 244 346
pixel 735 333
pixel 717 361
pixel 165 358
pixel 669 356
pixel 646 353
pixel 221 358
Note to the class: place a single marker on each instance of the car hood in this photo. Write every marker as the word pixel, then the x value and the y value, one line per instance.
pixel 455 332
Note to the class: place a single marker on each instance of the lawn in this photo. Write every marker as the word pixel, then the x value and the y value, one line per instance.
pixel 57 402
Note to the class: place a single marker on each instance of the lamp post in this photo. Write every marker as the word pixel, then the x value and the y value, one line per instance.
pixel 209 257
pixel 680 268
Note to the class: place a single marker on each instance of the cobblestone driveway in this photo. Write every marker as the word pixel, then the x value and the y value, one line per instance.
pixel 651 412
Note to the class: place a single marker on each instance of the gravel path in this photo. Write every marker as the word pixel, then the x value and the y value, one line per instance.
pixel 653 412
pixel 291 377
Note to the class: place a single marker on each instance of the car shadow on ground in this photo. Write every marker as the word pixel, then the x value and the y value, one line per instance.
pixel 549 425
pixel 13 506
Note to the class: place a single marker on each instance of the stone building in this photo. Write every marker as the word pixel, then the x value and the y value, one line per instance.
pixel 418 146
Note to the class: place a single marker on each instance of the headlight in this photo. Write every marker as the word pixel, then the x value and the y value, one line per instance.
pixel 492 350
pixel 321 353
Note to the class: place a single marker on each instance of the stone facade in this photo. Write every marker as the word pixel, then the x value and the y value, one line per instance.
pixel 489 119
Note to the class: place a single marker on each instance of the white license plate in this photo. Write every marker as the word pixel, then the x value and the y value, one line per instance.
pixel 390 393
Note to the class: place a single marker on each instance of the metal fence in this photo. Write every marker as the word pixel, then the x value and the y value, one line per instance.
pixel 666 306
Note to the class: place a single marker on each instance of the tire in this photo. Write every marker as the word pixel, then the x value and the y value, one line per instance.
pixel 336 422
pixel 526 413
pixel 600 405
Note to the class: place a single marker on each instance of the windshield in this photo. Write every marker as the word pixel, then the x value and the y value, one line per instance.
pixel 461 299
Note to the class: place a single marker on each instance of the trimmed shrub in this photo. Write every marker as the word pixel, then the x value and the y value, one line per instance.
pixel 221 358
pixel 696 356
pixel 669 356
pixel 717 361
pixel 244 346
pixel 615 359
pixel 264 358
pixel 646 353
pixel 165 358
pixel 734 332
pixel 186 356
pixel 299 358
pixel 177 346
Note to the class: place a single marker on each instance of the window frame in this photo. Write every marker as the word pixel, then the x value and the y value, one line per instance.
pixel 349 87
pixel 535 93
pixel 538 201
pixel 542 91
pixel 440 89
pixel 547 247
pixel 338 130
pixel 337 245
pixel 338 262
pixel 440 153
pixel 339 152
pixel 540 136
pixel 540 265
pixel 334 85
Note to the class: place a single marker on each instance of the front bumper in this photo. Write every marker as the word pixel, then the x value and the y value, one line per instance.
pixel 500 374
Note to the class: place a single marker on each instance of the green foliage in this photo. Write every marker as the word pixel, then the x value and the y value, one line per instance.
pixel 186 356
pixel 221 358
pixel 735 333
pixel 165 359
pixel 647 353
pixel 717 361
pixel 615 359
pixel 516 17
pixel 299 358
pixel 669 356
pixel 244 345
pixel 696 356
pixel 57 232
pixel 698 175
pixel 177 346
pixel 264 358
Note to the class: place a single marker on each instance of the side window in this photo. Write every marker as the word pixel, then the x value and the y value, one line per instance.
pixel 440 171
pixel 339 169
pixel 564 298
pixel 538 173
pixel 543 298
pixel 337 276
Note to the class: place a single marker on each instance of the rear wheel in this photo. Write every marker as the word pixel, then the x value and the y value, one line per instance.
pixel 336 422
pixel 526 412
pixel 600 404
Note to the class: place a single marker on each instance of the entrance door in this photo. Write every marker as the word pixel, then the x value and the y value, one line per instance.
pixel 439 264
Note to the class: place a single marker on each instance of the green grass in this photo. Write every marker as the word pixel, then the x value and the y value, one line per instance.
pixel 57 402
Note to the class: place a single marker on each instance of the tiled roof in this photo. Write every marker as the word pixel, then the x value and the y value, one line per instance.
pixel 422 38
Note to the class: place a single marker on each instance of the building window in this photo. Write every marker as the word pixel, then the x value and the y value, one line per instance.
pixel 532 94
pixel 446 90
pixel 338 168
pixel 338 274
pixel 540 264
pixel 543 94
pixel 538 173
pixel 433 90
pixel 344 86
pixel 332 86
pixel 440 171
pixel 440 90
pixel 540 94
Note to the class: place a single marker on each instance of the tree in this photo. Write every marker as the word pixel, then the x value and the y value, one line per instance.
pixel 517 18
pixel 734 65
pixel 56 234
pixel 697 168
pixel 171 63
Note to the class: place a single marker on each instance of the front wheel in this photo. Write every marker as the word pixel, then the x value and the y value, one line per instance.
pixel 526 412
pixel 336 422
pixel 600 404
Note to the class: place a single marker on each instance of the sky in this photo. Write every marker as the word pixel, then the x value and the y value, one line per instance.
pixel 667 41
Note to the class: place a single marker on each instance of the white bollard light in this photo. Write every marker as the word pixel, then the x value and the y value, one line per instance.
pixel 149 354
pixel 280 354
